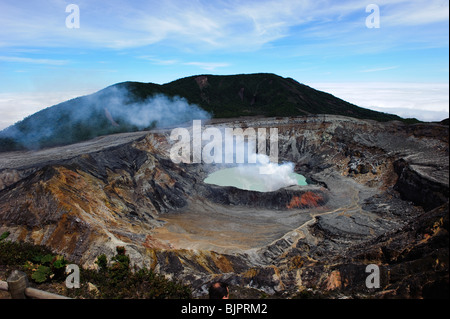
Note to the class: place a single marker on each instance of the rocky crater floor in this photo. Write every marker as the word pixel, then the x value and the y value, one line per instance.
pixel 377 193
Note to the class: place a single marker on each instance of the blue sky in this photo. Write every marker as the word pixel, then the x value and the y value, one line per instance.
pixel 401 67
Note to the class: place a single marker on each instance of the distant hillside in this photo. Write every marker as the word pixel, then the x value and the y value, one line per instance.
pixel 133 106
pixel 256 94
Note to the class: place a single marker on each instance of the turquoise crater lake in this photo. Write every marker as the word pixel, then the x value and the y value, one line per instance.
pixel 250 178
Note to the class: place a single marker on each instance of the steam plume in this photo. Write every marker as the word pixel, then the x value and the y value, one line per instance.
pixel 263 175
pixel 276 175
pixel 270 176
pixel 112 110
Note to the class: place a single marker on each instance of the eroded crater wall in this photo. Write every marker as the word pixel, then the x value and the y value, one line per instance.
pixel 371 179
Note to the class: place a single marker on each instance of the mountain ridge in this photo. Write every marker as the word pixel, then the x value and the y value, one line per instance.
pixel 136 106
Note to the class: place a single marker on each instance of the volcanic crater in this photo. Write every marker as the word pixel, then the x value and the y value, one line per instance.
pixel 367 182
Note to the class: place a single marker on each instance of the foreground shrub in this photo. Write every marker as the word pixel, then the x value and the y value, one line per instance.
pixel 114 281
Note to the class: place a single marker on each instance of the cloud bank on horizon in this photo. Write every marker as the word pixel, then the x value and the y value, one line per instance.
pixel 311 41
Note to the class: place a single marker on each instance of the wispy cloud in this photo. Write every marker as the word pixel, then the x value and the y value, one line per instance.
pixel 414 13
pixel 379 69
pixel 210 66
pixel 158 61
pixel 33 60
pixel 231 25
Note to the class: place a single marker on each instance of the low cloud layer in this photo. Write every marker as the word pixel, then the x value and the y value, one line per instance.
pixel 423 101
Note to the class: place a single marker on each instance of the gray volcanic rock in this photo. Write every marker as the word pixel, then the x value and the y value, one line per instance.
pixel 377 194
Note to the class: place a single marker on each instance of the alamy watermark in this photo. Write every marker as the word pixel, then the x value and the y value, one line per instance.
pixel 224 145
pixel 373 19
pixel 373 280
pixel 73 278
pixel 73 19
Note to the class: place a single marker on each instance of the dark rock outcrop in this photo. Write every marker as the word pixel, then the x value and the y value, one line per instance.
pixel 422 191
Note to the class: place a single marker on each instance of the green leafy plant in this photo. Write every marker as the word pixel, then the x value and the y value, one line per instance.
pixel 41 274
pixel 46 267
pixel 120 268
pixel 4 235
pixel 102 262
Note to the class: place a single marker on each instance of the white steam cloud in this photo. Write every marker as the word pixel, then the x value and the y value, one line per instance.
pixel 160 110
pixel 112 110
pixel 257 173
pixel 275 175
